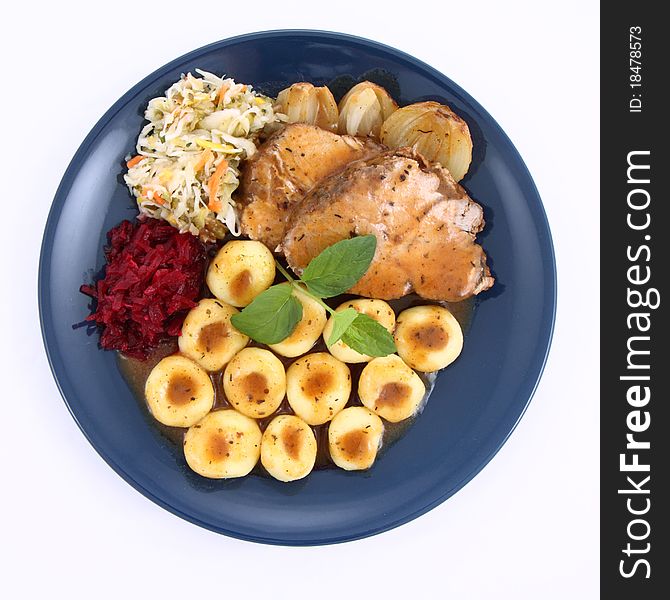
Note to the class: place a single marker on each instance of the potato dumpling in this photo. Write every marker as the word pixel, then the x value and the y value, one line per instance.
pixel 388 387
pixel 240 271
pixel 379 310
pixel 307 331
pixel 222 445
pixel 255 382
pixel 354 437
pixel 364 108
pixel 288 448
pixel 178 392
pixel 208 337
pixel 302 102
pixel 318 387
pixel 428 337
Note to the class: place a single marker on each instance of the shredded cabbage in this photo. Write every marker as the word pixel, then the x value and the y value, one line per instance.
pixel 199 123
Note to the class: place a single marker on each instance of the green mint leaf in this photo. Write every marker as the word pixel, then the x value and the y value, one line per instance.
pixel 271 317
pixel 367 336
pixel 339 266
pixel 341 321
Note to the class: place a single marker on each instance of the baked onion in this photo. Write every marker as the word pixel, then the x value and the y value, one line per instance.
pixel 364 108
pixel 433 129
pixel 304 103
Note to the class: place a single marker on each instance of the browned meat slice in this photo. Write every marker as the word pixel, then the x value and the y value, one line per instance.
pixel 424 221
pixel 287 166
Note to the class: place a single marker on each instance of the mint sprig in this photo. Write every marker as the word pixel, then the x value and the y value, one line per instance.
pixel 339 267
pixel 270 316
pixel 274 314
pixel 342 320
pixel 367 336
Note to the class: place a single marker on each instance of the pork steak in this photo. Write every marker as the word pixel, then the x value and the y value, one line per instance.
pixel 285 168
pixel 425 224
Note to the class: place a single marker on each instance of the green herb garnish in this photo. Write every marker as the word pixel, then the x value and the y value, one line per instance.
pixel 368 334
pixel 339 266
pixel 274 314
pixel 341 322
pixel 271 317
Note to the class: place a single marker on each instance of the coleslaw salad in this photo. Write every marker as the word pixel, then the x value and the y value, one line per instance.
pixel 187 163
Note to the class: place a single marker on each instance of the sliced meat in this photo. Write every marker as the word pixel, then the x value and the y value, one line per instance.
pixel 424 221
pixel 287 166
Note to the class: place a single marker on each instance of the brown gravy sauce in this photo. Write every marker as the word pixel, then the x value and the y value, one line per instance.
pixel 136 372
pixel 393 394
pixel 355 444
pixel 211 336
pixel 431 337
pixel 291 439
pixel 239 286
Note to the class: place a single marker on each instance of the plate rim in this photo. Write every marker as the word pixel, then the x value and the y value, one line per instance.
pixel 57 203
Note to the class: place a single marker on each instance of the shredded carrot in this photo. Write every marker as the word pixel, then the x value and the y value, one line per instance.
pixel 222 90
pixel 215 205
pixel 152 195
pixel 134 160
pixel 204 157
pixel 213 186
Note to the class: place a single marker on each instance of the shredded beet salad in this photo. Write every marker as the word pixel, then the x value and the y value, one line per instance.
pixel 153 277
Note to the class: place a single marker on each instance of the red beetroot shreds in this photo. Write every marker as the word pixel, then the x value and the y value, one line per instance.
pixel 152 279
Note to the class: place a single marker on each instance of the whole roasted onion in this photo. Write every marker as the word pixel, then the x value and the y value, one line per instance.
pixel 364 108
pixel 304 103
pixel 438 133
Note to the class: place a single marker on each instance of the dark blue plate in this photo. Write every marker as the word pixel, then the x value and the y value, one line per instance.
pixel 477 401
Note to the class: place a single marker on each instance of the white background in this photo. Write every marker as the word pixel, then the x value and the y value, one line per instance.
pixel 525 528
